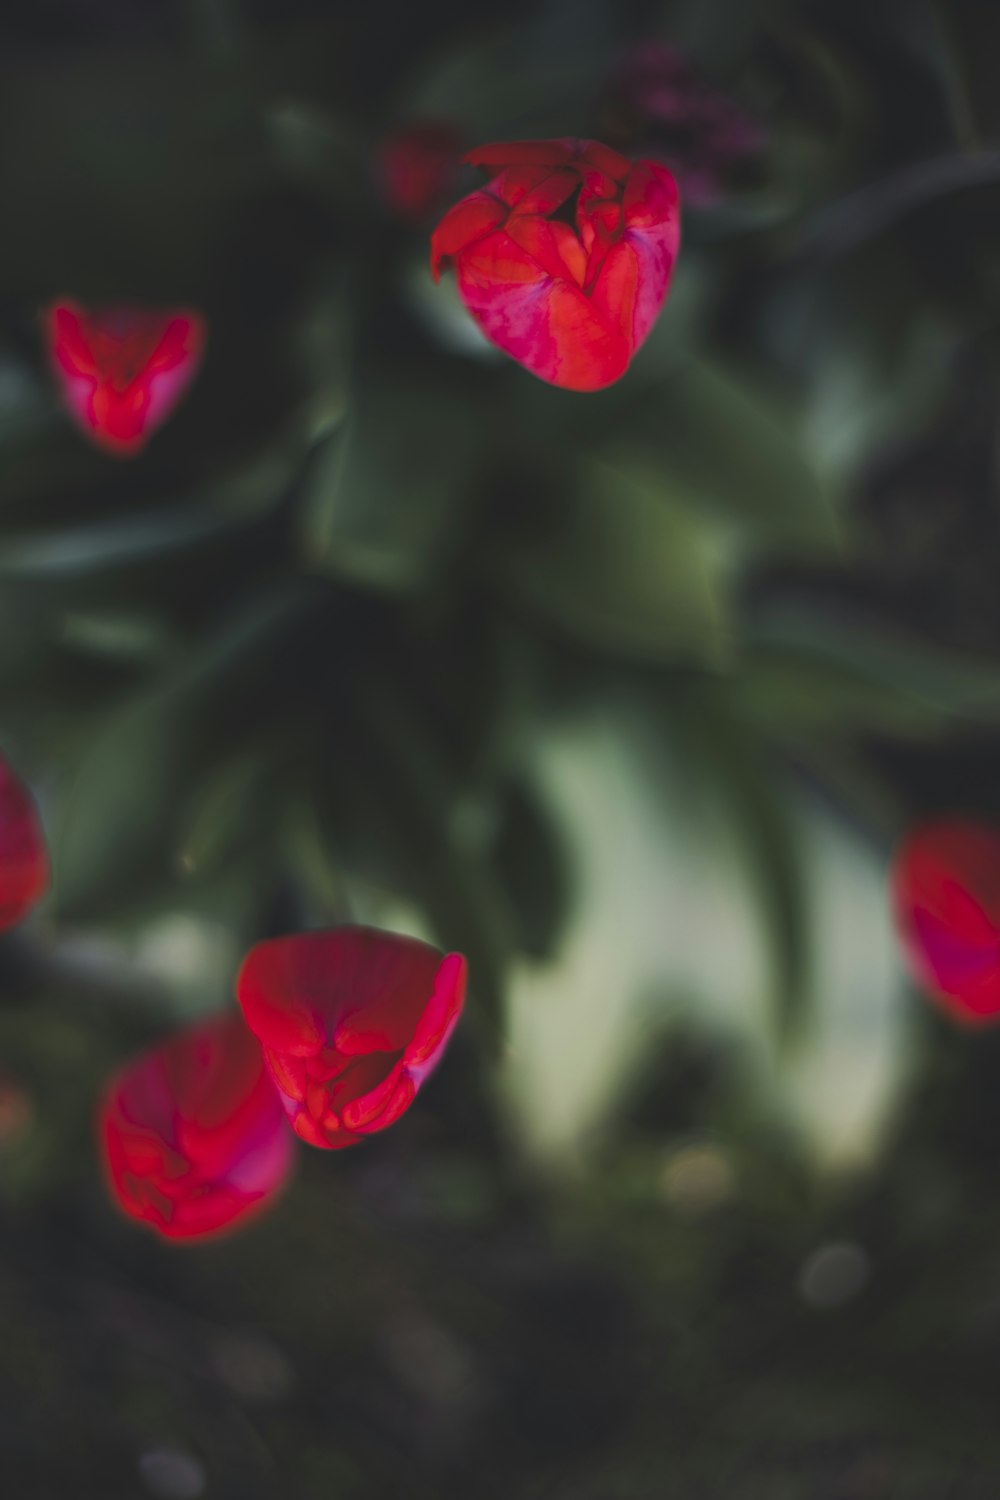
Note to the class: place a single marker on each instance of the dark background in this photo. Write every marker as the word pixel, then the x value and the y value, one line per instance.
pixel 627 696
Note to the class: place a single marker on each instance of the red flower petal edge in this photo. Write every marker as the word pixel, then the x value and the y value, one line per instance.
pixel 417 165
pixel 24 860
pixel 945 886
pixel 352 1022
pixel 122 370
pixel 565 257
pixel 193 1135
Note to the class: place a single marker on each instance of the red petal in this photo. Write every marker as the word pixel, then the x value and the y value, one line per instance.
pixel 193 1134
pixel 650 199
pixel 604 159
pixel 69 346
pixel 633 272
pixel 345 1119
pixel 535 190
pixel 553 248
pixel 394 1102
pixel 354 987
pixel 654 247
pixel 431 1034
pixel 308 1130
pixel 547 325
pixel 499 261
pixel 614 293
pixel 364 1105
pixel 946 896
pixel 24 861
pixel 281 989
pixel 462 225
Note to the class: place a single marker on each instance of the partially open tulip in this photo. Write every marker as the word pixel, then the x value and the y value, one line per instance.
pixel 193 1135
pixel 417 166
pixel 946 897
pixel 352 1022
pixel 122 370
pixel 564 258
pixel 24 860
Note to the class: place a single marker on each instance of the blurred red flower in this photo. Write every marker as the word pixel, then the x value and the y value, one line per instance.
pixel 703 133
pixel 565 257
pixel 193 1134
pixel 24 860
pixel 417 165
pixel 945 884
pixel 122 370
pixel 352 1022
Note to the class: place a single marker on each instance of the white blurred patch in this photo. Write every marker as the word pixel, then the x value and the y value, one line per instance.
pixel 443 313
pixel 668 922
pixel 657 912
pixel 192 957
pixel 842 1083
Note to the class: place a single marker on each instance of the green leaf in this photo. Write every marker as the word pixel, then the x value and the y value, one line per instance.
pixel 382 505
pixel 227 812
pixel 165 530
pixel 746 785
pixel 729 452
pixel 805 673
pixel 117 636
pixel 627 567
pixel 390 810
pixel 73 552
pixel 124 813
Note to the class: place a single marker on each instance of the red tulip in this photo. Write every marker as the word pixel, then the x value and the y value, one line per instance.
pixel 564 258
pixel 24 860
pixel 351 1022
pixel 946 895
pixel 193 1134
pixel 417 166
pixel 123 369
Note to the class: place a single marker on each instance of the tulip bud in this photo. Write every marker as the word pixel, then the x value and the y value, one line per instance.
pixel 122 370
pixel 564 258
pixel 352 1022
pixel 193 1136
